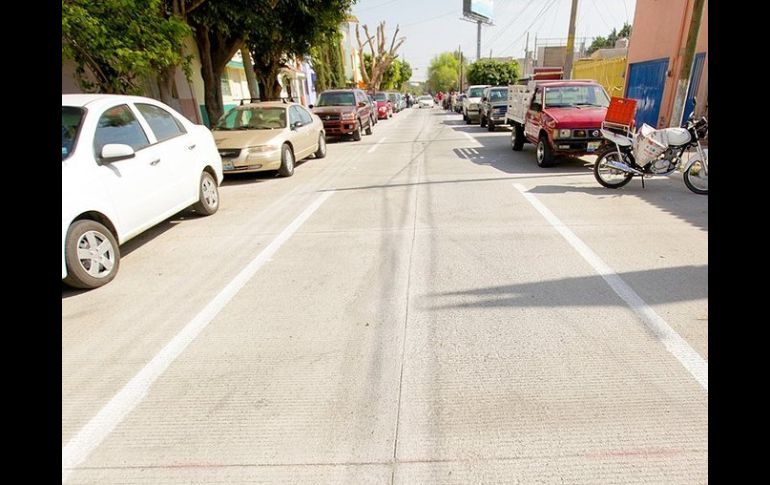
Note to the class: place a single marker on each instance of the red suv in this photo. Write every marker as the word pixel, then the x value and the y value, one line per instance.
pixel 344 112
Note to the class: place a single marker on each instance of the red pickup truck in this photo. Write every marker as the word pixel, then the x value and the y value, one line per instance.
pixel 561 117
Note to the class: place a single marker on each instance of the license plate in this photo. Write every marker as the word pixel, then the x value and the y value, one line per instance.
pixel 227 166
pixel 593 145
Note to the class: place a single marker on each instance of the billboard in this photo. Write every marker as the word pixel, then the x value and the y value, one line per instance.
pixel 478 10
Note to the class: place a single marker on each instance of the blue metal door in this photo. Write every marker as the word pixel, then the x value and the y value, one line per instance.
pixel 695 75
pixel 646 81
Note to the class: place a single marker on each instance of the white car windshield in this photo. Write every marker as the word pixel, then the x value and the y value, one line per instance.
pixel 426 98
pixel 475 92
pixel 498 95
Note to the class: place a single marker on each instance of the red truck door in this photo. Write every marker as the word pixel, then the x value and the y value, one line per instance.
pixel 534 116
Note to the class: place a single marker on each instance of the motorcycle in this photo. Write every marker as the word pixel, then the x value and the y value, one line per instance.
pixel 654 152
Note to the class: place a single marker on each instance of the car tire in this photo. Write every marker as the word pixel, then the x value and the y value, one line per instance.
pixel 89 233
pixel 357 133
pixel 287 161
pixel 321 152
pixel 208 195
pixel 517 138
pixel 544 154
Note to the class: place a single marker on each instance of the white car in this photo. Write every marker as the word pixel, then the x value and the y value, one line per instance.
pixel 425 102
pixel 128 163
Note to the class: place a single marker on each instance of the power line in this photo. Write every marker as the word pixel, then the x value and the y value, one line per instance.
pixel 453 11
pixel 593 2
pixel 516 17
pixel 545 8
pixel 376 6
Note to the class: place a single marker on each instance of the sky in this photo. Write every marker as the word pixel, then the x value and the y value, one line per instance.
pixel 434 26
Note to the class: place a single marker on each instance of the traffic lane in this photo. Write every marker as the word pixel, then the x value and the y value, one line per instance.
pixel 264 298
pixel 110 333
pixel 298 368
pixel 656 237
pixel 517 348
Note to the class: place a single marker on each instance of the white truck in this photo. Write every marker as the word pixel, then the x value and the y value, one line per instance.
pixel 472 103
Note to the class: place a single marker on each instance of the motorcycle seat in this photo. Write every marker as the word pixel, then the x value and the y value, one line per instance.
pixel 619 140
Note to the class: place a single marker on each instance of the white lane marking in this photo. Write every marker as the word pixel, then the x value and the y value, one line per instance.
pixel 675 344
pixel 468 136
pixel 374 147
pixel 105 421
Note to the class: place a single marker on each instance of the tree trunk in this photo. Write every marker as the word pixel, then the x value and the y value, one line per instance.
pixel 165 81
pixel 251 78
pixel 212 80
pixel 269 87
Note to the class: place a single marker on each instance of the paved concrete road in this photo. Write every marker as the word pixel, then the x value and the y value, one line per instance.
pixel 422 306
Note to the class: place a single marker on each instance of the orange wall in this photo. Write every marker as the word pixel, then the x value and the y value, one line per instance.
pixel 660 31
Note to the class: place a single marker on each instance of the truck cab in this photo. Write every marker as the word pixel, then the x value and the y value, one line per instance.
pixel 472 103
pixel 561 117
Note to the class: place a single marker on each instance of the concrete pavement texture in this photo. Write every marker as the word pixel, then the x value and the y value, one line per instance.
pixel 424 324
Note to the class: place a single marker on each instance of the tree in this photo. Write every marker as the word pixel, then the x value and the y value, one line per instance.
pixel 444 72
pixel 392 77
pixel 220 30
pixel 381 58
pixel 493 72
pixel 289 29
pixel 326 59
pixel 406 75
pixel 120 42
pixel 608 43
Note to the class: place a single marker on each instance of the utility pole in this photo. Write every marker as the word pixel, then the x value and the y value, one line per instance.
pixel 478 40
pixel 684 73
pixel 460 48
pixel 570 42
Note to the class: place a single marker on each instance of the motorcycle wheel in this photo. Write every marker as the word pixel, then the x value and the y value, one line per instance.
pixel 609 177
pixel 696 178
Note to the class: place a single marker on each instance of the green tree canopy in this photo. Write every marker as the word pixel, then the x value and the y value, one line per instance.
pixel 287 29
pixel 609 42
pixel 493 72
pixel 119 42
pixel 444 72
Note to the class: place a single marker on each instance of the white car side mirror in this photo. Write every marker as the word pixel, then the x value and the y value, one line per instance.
pixel 113 152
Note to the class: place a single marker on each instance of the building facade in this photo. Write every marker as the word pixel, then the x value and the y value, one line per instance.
pixel 655 56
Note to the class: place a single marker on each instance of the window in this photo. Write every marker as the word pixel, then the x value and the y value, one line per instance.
pixel 226 84
pixel 294 115
pixel 119 125
pixel 565 96
pixel 475 92
pixel 252 118
pixel 71 120
pixel 305 116
pixel 498 95
pixel 163 123
pixel 337 99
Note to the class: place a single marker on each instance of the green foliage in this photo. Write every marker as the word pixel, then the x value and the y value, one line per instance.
pixel 444 72
pixel 406 74
pixel 121 41
pixel 493 72
pixel 326 59
pixel 608 43
pixel 290 28
pixel 392 77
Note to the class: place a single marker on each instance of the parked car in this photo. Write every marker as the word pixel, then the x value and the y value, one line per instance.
pixel 494 104
pixel 472 102
pixel 373 108
pixel 393 97
pixel 269 135
pixel 459 103
pixel 562 117
pixel 425 102
pixel 384 105
pixel 344 112
pixel 128 163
